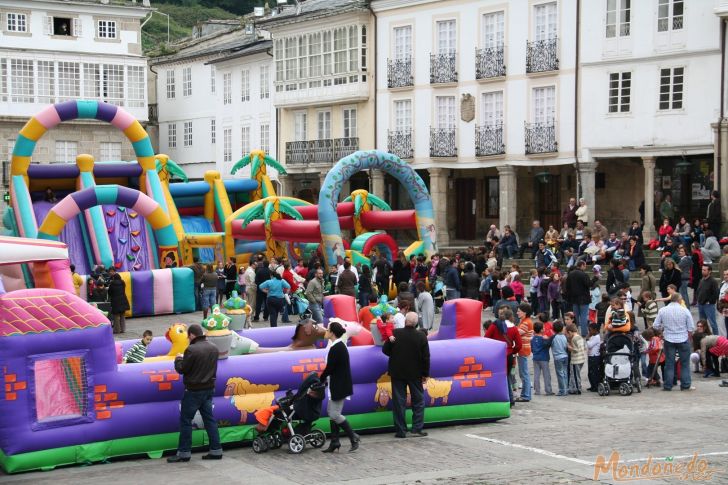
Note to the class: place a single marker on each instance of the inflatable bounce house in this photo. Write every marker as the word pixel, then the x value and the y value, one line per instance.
pixel 67 398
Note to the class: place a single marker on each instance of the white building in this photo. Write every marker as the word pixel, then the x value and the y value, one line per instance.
pixel 53 51
pixel 650 90
pixel 212 106
pixel 245 117
pixel 479 95
pixel 323 90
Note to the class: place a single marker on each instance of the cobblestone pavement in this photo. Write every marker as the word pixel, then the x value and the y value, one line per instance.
pixel 551 440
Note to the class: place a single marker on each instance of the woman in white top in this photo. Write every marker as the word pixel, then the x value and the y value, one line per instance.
pixel 581 212
pixel 425 307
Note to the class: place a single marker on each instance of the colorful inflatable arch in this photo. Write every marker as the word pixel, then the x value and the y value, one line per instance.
pixel 49 118
pixel 364 160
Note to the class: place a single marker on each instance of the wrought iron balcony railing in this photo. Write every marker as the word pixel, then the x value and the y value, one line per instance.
pixel 489 140
pixel 399 72
pixel 442 142
pixel 489 62
pixel 323 151
pixel 541 137
pixel 443 68
pixel 399 142
pixel 542 55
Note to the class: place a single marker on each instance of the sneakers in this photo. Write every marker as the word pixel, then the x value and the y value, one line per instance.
pixel 417 434
pixel 691 388
pixel 179 459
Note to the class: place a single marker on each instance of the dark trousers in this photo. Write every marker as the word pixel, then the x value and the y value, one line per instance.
pixel 669 374
pixel 275 306
pixel 399 404
pixel 555 309
pixel 193 401
pixel 593 372
pixel 260 304
pixel 525 247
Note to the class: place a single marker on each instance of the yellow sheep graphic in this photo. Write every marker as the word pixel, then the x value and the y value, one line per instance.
pixel 438 389
pixel 248 397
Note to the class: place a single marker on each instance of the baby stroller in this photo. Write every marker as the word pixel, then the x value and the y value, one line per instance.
pixel 299 303
pixel 620 366
pixel 291 419
pixel 438 293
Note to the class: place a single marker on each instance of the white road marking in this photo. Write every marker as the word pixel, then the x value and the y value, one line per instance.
pixel 577 460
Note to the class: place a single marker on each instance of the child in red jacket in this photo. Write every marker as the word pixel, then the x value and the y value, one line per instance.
pixel 664 231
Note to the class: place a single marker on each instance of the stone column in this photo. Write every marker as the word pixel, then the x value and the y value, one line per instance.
pixel 587 172
pixel 285 181
pixel 722 184
pixel 648 231
pixel 507 189
pixel 377 183
pixel 438 192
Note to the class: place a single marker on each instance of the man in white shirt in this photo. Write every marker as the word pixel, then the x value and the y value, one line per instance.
pixel 251 289
pixel 593 346
pixel 677 325
pixel 340 269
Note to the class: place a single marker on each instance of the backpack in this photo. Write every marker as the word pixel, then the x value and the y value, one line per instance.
pixel 619 318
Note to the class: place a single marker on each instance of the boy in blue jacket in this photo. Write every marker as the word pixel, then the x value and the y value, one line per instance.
pixel 540 350
pixel 561 357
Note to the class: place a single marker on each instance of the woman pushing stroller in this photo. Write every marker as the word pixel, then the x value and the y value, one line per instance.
pixel 338 372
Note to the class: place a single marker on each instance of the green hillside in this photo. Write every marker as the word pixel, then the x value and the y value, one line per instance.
pixel 184 14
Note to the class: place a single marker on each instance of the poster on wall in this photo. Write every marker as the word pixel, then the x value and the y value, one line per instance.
pixel 700 192
pixel 666 183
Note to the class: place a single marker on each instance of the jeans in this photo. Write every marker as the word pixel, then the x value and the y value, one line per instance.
pixel 683 350
pixel 561 375
pixel 364 299
pixel 707 312
pixel 451 294
pixel 684 291
pixel 275 306
pixel 575 380
pixel 593 371
pixel 316 312
pixel 208 297
pixel 525 376
pixel 192 401
pixel 581 312
pixel 399 404
pixel 198 296
pixel 542 367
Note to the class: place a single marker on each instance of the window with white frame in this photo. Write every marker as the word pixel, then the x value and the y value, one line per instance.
pixel 135 86
pixel 227 88
pixel 670 15
pixel 212 79
pixel 314 55
pixel 107 29
pixel 492 108
pixel 446 37
pixel 91 81
pixel 493 30
pixel 265 137
pixel 340 51
pixel 353 50
pixel 545 21
pixel 402 46
pixel 213 135
pixel 172 135
pixel 264 82
pixel 3 79
pixel 170 84
pixel 620 88
pixel 227 147
pixel 16 22
pixel 326 50
pixel 300 126
pixel 323 124
pixel 302 57
pixel 46 81
pixel 279 60
pixel 66 151
pixel 21 80
pixel 349 122
pixel 291 58
pixel 69 80
pixel 187 81
pixel 618 18
pixel 245 85
pixel 245 139
pixel 445 112
pixel 110 151
pixel 403 114
pixel 112 84
pixel 544 104
pixel 187 134
pixel 671 88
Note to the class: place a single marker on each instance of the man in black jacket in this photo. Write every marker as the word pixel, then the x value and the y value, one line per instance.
pixel 198 367
pixel 262 274
pixel 707 298
pixel 409 367
pixel 577 288
pixel 713 214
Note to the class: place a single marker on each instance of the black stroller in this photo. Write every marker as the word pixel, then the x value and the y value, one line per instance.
pixel 291 419
pixel 620 365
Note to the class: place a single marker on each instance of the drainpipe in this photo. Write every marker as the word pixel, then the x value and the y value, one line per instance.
pixel 579 191
pixel 722 103
pixel 372 47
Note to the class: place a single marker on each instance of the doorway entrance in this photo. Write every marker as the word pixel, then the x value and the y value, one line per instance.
pixel 549 202
pixel 465 209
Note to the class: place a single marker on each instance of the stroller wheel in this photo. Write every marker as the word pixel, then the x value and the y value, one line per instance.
pixel 297 444
pixel 602 389
pixel 260 445
pixel 316 438
pixel 624 389
pixel 277 441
